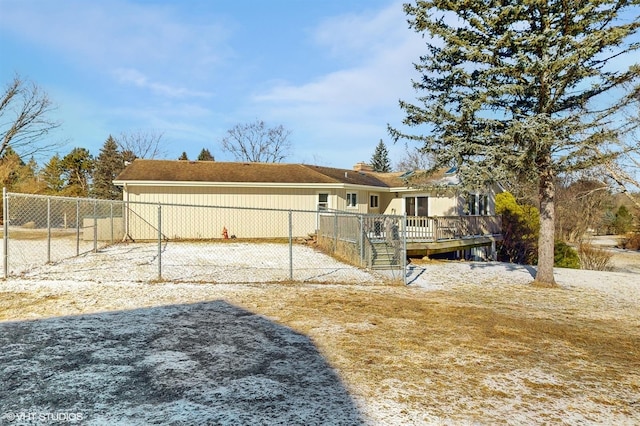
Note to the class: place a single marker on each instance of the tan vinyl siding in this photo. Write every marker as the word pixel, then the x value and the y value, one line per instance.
pixel 180 222
pixel 361 198
pixel 243 220
pixel 443 206
pixel 378 208
pixel 269 198
pixel 387 204
pixel 392 205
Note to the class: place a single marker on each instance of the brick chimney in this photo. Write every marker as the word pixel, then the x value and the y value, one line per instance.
pixel 362 167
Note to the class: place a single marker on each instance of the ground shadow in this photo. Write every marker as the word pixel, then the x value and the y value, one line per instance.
pixel 206 363
pixel 510 267
pixel 415 273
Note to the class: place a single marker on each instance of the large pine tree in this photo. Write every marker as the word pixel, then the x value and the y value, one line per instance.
pixel 77 167
pixel 108 165
pixel 524 88
pixel 380 159
pixel 51 175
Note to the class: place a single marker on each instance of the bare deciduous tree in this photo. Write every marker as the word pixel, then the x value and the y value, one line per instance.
pixel 621 171
pixel 141 144
pixel 623 174
pixel 258 143
pixel 24 117
pixel 414 159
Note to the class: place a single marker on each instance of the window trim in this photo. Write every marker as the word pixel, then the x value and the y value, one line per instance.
pixel 352 200
pixel 373 197
pixel 477 204
pixel 416 205
pixel 327 207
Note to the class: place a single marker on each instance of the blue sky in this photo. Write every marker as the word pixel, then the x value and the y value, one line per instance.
pixel 331 71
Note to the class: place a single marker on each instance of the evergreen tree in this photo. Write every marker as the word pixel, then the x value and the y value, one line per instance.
pixel 521 88
pixel 77 167
pixel 51 175
pixel 380 159
pixel 28 179
pixel 205 155
pixel 10 165
pixel 108 165
pixel 623 220
pixel 183 156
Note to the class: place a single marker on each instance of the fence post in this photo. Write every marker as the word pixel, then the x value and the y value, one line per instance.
pixel 48 229
pixel 290 245
pixel 111 217
pixel 403 227
pixel 159 242
pixel 361 220
pixel 78 227
pixel 5 234
pixel 95 226
pixel 335 231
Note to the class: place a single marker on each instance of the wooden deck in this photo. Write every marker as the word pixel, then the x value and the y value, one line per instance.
pixel 434 235
pixel 367 236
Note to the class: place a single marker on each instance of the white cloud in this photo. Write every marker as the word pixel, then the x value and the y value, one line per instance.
pixel 108 35
pixel 138 79
pixel 363 35
pixel 387 50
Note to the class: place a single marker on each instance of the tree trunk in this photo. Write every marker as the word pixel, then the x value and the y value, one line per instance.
pixel 546 240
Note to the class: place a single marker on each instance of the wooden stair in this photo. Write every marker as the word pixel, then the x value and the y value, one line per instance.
pixel 383 256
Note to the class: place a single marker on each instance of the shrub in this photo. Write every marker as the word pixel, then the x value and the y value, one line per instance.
pixel 565 256
pixel 594 258
pixel 623 221
pixel 631 241
pixel 520 227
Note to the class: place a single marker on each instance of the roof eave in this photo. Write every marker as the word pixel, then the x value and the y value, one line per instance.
pixel 246 184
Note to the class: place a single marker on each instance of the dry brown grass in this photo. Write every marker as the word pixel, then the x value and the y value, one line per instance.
pixel 456 354
pixel 503 354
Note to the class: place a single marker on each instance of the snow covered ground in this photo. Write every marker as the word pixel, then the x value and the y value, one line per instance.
pixel 93 337
pixel 240 262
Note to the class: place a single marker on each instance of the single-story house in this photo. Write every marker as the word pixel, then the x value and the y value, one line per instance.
pixel 243 187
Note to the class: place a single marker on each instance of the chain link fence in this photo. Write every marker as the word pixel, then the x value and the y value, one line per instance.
pixel 38 229
pixel 87 239
pixel 372 241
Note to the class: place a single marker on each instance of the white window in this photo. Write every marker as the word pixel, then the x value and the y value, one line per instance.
pixel 374 202
pixel 323 201
pixel 352 200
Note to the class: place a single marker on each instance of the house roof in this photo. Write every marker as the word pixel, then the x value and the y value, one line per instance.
pixel 227 172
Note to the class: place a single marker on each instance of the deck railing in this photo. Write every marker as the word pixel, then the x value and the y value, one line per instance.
pixel 422 228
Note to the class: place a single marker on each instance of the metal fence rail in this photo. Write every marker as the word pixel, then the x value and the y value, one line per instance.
pixel 39 229
pixel 370 240
pixel 188 243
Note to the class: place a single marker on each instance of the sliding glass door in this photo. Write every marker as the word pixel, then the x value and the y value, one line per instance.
pixel 416 206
